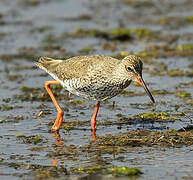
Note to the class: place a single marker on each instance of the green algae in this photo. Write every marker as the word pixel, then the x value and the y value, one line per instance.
pixel 124 53
pixel 141 32
pixel 124 171
pixel 91 170
pixel 6 100
pixel 143 54
pixel 183 95
pixel 68 127
pixel 115 171
pixel 121 34
pixel 163 117
pixel 121 55
pixel 2 121
pixel 77 101
pixel 34 139
pixel 128 33
pixel 165 51
pixel 188 177
pixel 95 156
pixel 184 47
pixel 189 19
pixel 89 33
pixel 29 89
pixel 147 54
pixel 155 116
pixel 86 50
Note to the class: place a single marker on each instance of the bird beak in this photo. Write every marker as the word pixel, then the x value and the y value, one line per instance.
pixel 141 82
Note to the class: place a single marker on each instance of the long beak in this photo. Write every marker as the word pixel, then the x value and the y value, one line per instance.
pixel 142 83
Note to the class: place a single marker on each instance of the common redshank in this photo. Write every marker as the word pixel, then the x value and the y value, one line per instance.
pixel 95 77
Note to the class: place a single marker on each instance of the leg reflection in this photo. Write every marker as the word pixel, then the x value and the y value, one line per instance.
pixel 57 138
pixel 54 162
pixel 58 142
pixel 93 135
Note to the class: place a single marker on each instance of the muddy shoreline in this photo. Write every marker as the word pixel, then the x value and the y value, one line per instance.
pixel 134 139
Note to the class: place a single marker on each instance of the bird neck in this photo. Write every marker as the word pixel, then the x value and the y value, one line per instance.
pixel 121 73
pixel 120 76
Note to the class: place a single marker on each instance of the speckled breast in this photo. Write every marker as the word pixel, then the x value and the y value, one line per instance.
pixel 95 90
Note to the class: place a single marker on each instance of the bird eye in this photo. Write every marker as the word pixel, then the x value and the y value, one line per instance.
pixel 129 69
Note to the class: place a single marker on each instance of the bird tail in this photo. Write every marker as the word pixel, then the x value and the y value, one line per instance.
pixel 48 64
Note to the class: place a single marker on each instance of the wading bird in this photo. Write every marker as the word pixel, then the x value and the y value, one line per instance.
pixel 95 77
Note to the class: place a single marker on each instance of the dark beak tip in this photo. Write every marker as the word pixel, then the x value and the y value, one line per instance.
pixel 142 83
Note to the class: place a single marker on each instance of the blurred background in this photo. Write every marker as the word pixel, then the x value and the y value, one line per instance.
pixel 160 31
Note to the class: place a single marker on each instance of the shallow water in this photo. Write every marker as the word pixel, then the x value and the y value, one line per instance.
pixel 31 29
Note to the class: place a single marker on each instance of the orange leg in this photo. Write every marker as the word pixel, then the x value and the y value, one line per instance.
pixel 93 120
pixel 60 114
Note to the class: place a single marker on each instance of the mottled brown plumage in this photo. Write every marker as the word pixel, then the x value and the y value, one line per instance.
pixel 96 77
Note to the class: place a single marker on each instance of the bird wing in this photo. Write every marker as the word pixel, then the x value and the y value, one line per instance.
pixel 76 67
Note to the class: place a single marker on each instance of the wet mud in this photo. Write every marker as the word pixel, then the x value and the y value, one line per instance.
pixel 135 139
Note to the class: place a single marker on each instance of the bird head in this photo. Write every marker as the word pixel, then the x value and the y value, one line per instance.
pixel 133 67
